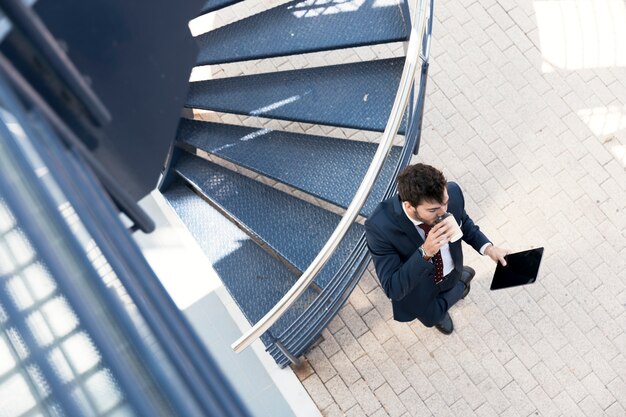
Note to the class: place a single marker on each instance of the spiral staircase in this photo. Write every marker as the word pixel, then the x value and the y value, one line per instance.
pixel 272 171
pixel 266 163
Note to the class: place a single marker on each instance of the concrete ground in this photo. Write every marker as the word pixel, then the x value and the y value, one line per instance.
pixel 526 109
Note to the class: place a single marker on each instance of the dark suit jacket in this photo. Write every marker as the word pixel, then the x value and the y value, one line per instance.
pixel 406 278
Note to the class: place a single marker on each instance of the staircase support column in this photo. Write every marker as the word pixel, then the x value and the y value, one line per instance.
pixel 285 351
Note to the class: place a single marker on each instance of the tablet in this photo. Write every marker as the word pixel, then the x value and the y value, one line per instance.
pixel 521 269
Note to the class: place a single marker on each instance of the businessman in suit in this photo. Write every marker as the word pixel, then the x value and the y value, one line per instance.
pixel 419 269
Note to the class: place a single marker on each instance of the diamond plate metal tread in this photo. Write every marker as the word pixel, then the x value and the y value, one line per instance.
pixel 294 229
pixel 304 26
pixel 213 5
pixel 256 280
pixel 328 168
pixel 356 95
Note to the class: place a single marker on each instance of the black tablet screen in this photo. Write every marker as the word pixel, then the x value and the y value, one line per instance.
pixel 521 269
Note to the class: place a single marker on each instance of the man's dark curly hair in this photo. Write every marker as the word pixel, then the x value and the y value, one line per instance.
pixel 420 182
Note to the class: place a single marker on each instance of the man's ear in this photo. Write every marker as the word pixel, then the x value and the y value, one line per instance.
pixel 406 205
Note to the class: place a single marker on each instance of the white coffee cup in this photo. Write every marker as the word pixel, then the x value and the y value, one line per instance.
pixel 455 229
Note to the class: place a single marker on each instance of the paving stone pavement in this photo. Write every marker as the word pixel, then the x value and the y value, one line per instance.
pixel 526 109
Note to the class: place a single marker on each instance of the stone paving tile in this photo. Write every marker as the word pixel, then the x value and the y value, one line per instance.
pixel 318 392
pixel 377 326
pixel 340 393
pixel 443 385
pixel 615 410
pixel 360 301
pixel 518 399
pixel 590 408
pixel 598 390
pixel 355 411
pixel 329 345
pixel 497 372
pixel 353 321
pixel 438 406
pixel 332 411
pixel 494 396
pixel 543 403
pixel 390 401
pixel 345 368
pixel 413 403
pixel 393 375
pixel 521 374
pixel 349 344
pixel 364 395
pixel 419 382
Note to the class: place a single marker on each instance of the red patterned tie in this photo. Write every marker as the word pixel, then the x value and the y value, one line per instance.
pixel 437 260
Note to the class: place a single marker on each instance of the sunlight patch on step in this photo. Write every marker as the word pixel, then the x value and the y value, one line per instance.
pixel 577 34
pixel 386 3
pixel 314 8
pixel 276 105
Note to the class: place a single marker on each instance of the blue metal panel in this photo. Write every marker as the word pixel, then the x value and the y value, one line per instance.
pixel 358 95
pixel 303 26
pixel 147 378
pixel 197 375
pixel 299 337
pixel 328 168
pixel 33 208
pixel 137 59
pixel 255 279
pixel 213 5
pixel 293 228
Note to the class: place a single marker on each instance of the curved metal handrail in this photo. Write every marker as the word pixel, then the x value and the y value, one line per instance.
pixel 395 118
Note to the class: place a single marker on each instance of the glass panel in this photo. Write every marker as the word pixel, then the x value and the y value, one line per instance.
pixel 12 389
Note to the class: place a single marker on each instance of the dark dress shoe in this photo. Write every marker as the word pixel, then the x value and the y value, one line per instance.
pixel 466 277
pixel 445 326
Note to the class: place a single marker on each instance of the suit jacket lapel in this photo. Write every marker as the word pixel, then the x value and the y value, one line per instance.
pixel 404 222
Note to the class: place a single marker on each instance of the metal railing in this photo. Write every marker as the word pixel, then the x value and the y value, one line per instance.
pixel 414 53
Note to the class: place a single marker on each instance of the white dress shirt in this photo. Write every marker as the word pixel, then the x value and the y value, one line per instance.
pixel 448 263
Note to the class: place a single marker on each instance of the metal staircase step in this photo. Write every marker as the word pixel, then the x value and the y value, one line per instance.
pixel 328 168
pixel 305 26
pixel 213 5
pixel 291 228
pixel 356 95
pixel 256 280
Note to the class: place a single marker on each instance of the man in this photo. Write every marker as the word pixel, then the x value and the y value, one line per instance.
pixel 418 268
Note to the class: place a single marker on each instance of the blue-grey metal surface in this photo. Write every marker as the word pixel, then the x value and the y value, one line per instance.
pixel 39 37
pixel 303 332
pixel 358 95
pixel 191 370
pixel 303 26
pixel 213 5
pixel 76 261
pixel 123 200
pixel 255 279
pixel 328 168
pixel 50 240
pixel 138 61
pixel 293 228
